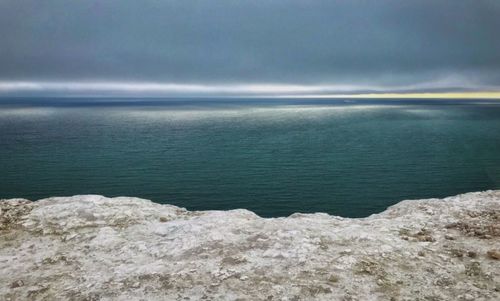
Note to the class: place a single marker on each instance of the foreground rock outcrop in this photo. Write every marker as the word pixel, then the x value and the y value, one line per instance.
pixel 96 248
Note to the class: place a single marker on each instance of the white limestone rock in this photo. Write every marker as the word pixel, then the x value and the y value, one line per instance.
pixel 90 247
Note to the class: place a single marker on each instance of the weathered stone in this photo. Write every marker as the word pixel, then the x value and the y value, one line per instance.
pixel 96 248
pixel 16 284
pixel 494 254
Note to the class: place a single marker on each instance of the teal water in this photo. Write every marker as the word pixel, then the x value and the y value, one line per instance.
pixel 272 157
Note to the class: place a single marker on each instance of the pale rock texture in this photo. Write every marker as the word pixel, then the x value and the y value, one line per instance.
pixel 89 247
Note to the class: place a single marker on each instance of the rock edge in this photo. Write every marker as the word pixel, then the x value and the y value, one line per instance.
pixel 89 247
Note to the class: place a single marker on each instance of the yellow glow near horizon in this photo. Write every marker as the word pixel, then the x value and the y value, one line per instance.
pixel 144 89
pixel 424 95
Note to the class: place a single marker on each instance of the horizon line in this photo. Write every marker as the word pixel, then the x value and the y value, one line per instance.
pixel 411 95
pixel 429 90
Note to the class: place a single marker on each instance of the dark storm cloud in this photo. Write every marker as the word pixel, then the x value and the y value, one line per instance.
pixel 366 43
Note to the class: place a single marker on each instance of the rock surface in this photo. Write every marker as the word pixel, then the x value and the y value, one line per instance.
pixel 95 248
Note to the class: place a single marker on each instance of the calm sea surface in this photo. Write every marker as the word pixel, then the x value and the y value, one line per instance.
pixel 274 157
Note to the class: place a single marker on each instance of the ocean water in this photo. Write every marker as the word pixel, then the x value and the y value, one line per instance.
pixel 274 157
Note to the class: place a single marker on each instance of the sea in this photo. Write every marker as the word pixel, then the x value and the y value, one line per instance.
pixel 275 157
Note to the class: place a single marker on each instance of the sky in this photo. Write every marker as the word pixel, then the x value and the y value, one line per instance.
pixel 249 48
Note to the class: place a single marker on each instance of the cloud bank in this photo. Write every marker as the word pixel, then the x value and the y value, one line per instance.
pixel 247 47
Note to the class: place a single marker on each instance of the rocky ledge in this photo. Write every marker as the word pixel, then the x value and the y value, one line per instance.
pixel 90 247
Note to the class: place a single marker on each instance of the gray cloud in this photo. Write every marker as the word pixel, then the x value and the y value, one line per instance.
pixel 388 43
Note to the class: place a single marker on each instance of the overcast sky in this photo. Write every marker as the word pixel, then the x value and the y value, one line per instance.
pixel 247 47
